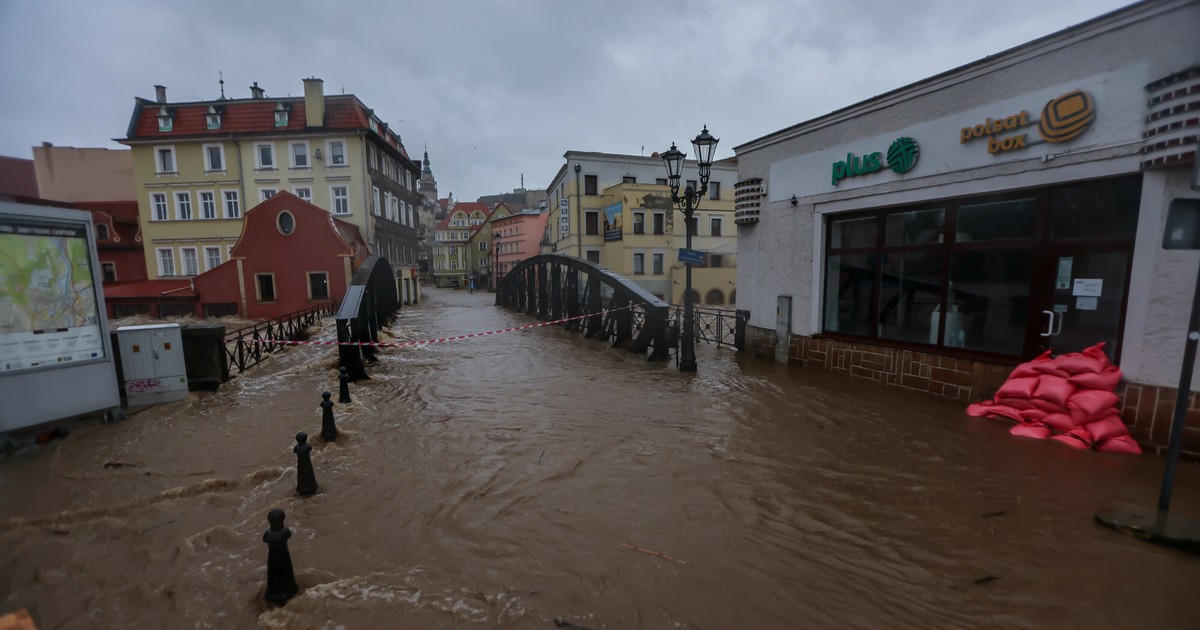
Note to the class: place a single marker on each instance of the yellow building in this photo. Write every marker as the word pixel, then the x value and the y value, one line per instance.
pixel 199 166
pixel 616 210
pixel 453 260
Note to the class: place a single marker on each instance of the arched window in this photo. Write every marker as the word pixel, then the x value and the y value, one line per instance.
pixel 695 297
pixel 101 232
pixel 733 296
pixel 715 297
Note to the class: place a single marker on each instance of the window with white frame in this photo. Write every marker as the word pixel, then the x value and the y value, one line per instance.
pixel 264 155
pixel 304 192
pixel 183 206
pixel 714 190
pixel 370 156
pixel 639 222
pixel 639 263
pixel 208 204
pixel 214 157
pixel 212 257
pixel 166 262
pixel 375 201
pixel 341 199
pixel 166 121
pixel 212 118
pixel 158 207
pixel 191 266
pixel 266 193
pixel 233 209
pixel 164 160
pixel 395 209
pixel 281 115
pixel 299 155
pixel 337 153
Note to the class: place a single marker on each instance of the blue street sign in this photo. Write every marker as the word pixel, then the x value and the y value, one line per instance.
pixel 693 256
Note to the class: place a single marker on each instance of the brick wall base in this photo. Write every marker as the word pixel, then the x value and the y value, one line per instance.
pixel 1146 409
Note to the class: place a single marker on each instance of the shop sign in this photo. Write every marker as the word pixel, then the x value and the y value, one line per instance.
pixel 902 156
pixel 1063 118
pixel 564 212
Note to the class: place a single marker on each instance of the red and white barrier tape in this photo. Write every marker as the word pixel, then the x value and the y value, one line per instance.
pixel 401 344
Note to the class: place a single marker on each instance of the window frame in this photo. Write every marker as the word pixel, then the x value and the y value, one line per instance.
pixel 334 198
pixel 329 153
pixel 715 226
pixel 303 197
pixel 183 261
pixel 169 149
pixel 108 271
pixel 183 204
pixel 237 204
pixel 714 190
pixel 212 198
pixel 295 165
pixel 258 288
pixel 258 155
pixel 312 274
pixel 205 152
pixel 639 263
pixel 591 185
pixel 169 259
pixel 160 211
pixel 208 259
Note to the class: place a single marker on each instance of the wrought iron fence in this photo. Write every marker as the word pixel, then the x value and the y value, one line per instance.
pixel 712 325
pixel 246 346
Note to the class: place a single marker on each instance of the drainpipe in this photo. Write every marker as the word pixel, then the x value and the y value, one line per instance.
pixel 578 214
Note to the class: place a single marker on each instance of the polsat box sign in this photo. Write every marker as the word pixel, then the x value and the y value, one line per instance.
pixel 1063 118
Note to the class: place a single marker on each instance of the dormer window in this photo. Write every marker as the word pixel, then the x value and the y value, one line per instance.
pixel 281 115
pixel 165 121
pixel 212 118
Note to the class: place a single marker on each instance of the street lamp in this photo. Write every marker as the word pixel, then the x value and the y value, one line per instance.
pixel 704 145
pixel 496 260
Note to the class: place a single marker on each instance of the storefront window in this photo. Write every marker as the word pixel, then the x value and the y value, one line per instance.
pixel 910 294
pixel 995 221
pixel 917 227
pixel 989 300
pixel 849 293
pixel 1107 209
pixel 856 232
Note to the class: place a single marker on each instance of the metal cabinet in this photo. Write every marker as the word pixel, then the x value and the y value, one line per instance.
pixel 153 363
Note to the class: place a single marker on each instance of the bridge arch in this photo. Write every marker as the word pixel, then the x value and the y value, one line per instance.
pixel 592 298
pixel 371 302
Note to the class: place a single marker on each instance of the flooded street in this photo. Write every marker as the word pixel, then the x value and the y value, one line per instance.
pixel 508 480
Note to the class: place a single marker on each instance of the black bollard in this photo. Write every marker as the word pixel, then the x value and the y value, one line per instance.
pixel 306 478
pixel 281 579
pixel 343 386
pixel 329 430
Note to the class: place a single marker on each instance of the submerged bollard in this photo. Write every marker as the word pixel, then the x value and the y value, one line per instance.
pixel 343 386
pixel 329 430
pixel 281 579
pixel 306 478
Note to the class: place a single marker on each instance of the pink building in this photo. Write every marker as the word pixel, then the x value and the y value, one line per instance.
pixel 516 238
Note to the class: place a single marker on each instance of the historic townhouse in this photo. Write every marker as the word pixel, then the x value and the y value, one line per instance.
pixel 616 210
pixel 199 166
pixel 452 258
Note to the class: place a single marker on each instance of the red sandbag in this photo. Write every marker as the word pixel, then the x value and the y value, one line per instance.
pixel 979 410
pixel 1070 440
pixel 1107 428
pixel 1054 389
pixel 1077 363
pixel 1030 430
pixel 1096 353
pixel 1059 421
pixel 1033 415
pixel 1049 367
pixel 1120 444
pixel 1015 403
pixel 1047 406
pixel 1093 401
pixel 1077 436
pixel 1005 412
pixel 1083 418
pixel 1018 388
pixel 1105 380
pixel 1027 369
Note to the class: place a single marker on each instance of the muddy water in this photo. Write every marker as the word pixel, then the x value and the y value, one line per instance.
pixel 509 480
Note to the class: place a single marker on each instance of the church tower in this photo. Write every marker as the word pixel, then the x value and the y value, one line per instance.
pixel 427 185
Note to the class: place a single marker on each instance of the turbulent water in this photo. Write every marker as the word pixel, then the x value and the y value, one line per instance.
pixel 516 479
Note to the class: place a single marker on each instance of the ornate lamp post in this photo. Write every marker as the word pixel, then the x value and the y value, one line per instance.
pixel 704 144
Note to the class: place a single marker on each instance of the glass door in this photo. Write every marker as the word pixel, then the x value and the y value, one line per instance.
pixel 1087 290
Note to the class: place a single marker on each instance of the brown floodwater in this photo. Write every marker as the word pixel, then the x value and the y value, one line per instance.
pixel 510 480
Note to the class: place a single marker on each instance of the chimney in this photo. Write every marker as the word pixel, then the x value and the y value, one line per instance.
pixel 160 93
pixel 256 92
pixel 314 102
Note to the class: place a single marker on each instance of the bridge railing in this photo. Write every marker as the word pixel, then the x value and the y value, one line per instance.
pixel 718 326
pixel 246 347
pixel 371 302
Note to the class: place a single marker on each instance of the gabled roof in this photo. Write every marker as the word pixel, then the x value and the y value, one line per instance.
pixel 343 112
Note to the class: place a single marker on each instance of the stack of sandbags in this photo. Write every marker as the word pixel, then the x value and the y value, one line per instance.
pixel 1069 398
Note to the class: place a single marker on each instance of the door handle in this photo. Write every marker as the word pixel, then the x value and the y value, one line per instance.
pixel 1061 317
pixel 1049 324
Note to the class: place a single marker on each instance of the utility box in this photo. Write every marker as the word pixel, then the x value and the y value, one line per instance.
pixel 205 356
pixel 152 362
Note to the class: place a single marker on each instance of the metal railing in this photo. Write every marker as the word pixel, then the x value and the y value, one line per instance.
pixel 712 325
pixel 245 347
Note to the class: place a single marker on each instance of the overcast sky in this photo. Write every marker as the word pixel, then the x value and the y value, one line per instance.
pixel 501 88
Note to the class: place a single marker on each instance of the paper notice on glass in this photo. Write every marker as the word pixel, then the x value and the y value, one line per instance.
pixel 1089 287
pixel 1086 303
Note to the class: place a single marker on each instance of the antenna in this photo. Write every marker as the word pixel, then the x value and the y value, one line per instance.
pixel 222 82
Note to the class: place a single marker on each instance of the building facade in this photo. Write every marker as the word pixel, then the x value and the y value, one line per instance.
pixel 515 237
pixel 615 210
pixel 199 166
pixel 933 237
pixel 452 255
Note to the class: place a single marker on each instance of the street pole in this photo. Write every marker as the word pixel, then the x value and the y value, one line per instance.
pixel 687 349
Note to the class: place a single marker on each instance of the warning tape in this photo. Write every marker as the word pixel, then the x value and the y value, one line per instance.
pixel 402 344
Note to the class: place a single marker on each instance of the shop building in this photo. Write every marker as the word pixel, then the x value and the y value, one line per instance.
pixel 934 236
